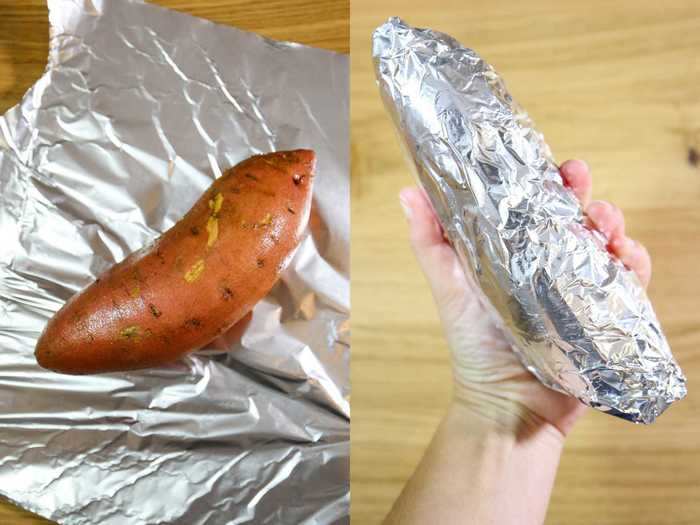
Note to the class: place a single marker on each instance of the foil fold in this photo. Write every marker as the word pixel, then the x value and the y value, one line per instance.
pixel 139 109
pixel 576 317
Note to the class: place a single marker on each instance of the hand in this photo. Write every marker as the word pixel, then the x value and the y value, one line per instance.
pixel 489 379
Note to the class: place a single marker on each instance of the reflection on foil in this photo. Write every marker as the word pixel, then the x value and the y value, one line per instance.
pixel 139 108
pixel 576 317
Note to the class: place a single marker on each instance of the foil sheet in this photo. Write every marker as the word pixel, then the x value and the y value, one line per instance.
pixel 578 320
pixel 139 109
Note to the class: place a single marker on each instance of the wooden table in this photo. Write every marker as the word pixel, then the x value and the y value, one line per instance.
pixel 24 47
pixel 615 83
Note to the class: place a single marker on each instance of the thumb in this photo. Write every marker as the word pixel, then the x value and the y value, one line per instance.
pixel 435 256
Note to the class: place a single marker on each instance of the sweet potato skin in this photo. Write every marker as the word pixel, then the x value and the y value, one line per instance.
pixel 195 281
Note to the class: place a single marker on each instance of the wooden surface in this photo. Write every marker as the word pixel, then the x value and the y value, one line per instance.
pixel 24 31
pixel 24 47
pixel 615 83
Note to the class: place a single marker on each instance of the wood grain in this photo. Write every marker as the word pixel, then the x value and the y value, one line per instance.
pixel 24 31
pixel 615 83
pixel 24 47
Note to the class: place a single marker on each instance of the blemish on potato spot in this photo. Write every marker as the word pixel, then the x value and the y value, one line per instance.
pixel 298 179
pixel 130 332
pixel 291 210
pixel 213 220
pixel 212 230
pixel 195 272
pixel 251 177
pixel 260 263
pixel 154 310
pixel 215 203
pixel 193 323
pixel 226 293
pixel 194 230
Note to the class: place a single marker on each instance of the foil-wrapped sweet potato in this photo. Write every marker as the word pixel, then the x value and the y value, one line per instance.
pixel 575 316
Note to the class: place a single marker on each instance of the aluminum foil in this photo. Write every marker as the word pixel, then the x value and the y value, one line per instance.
pixel 139 109
pixel 578 320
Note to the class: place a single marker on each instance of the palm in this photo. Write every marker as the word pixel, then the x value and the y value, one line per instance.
pixel 485 366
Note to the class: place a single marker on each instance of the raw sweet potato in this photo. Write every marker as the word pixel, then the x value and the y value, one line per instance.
pixel 195 281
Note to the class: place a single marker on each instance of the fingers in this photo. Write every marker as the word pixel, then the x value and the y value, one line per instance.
pixel 609 220
pixel 577 176
pixel 435 256
pixel 635 256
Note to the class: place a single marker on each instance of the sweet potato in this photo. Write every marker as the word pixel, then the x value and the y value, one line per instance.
pixel 195 281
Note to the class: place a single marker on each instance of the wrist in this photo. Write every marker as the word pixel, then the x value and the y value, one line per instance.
pixel 492 461
pixel 507 420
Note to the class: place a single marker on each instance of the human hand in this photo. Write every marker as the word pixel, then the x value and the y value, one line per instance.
pixel 489 379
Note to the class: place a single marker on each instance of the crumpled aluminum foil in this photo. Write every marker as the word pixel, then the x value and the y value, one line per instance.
pixel 578 320
pixel 139 108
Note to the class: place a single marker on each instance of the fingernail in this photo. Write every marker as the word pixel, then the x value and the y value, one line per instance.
pixel 406 208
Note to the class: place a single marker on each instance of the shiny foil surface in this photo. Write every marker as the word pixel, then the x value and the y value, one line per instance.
pixel 577 319
pixel 139 109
